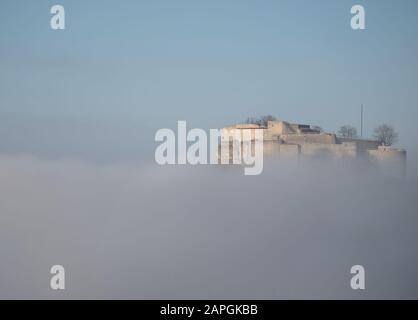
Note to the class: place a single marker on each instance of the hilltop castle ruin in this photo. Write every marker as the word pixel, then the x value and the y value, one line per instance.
pixel 290 140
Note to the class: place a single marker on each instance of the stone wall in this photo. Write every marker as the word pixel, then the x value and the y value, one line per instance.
pixel 244 133
pixel 362 144
pixel 344 150
pixel 322 138
pixel 287 151
pixel 390 161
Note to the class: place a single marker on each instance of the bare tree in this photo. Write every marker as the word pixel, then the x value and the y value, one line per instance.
pixel 386 135
pixel 265 119
pixel 318 128
pixel 251 120
pixel 262 121
pixel 347 131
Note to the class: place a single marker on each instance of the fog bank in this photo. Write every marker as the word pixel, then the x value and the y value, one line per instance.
pixel 142 231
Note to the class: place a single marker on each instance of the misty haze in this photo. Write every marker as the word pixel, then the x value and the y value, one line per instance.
pixel 85 86
pixel 132 231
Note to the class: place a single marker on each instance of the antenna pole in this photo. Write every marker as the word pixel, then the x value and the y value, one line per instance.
pixel 361 125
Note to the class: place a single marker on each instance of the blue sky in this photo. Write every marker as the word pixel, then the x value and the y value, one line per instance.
pixel 123 69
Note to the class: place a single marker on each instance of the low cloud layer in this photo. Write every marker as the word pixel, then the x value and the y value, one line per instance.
pixel 143 231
